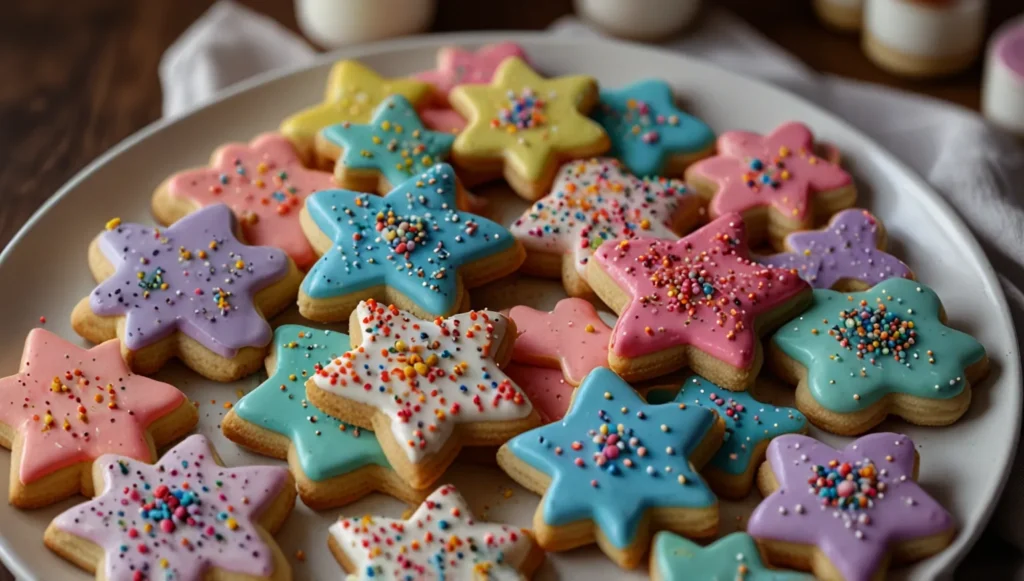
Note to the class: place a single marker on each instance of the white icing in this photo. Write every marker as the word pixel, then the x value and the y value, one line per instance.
pixel 917 29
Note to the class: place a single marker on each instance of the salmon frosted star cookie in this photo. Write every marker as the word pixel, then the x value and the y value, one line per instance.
pixel 186 518
pixel 440 540
pixel 523 126
pixel 67 406
pixel 457 66
pixel 191 291
pixel 353 92
pixel 776 182
pixel 698 302
pixel 675 558
pixel 425 387
pixel 845 514
pixel 263 182
pixel 617 469
pixel 333 463
pixel 412 247
pixel 846 255
pixel 648 132
pixel 856 358
pixel 593 201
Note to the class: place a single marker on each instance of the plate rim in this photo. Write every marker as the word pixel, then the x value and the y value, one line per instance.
pixel 946 561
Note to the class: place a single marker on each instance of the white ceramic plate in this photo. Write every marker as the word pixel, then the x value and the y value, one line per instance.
pixel 44 273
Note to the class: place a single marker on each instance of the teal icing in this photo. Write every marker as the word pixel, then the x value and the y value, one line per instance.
pixel 323 448
pixel 646 128
pixel 668 433
pixel 748 422
pixel 842 382
pixel 734 556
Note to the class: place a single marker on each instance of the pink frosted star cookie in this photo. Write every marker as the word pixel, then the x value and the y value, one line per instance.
pixel 698 302
pixel 441 540
pixel 263 182
pixel 186 518
pixel 425 387
pixel 67 406
pixel 777 182
pixel 845 514
pixel 593 201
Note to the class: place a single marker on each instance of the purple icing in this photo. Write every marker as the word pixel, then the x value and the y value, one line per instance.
pixel 846 248
pixel 854 540
pixel 1009 47
pixel 179 290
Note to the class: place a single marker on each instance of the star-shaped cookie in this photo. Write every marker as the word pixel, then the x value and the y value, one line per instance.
pixel 425 387
pixel 648 132
pixel 67 406
pixel 353 92
pixel 593 201
pixel 776 181
pixel 522 126
pixel 192 290
pixel 412 247
pixel 857 357
pixel 572 338
pixel 734 556
pixel 699 301
pixel 612 460
pixel 846 255
pixel 183 518
pixel 441 540
pixel 843 513
pixel 263 182
pixel 333 463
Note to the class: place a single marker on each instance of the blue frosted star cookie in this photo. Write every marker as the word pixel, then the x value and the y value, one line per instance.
pixel 674 558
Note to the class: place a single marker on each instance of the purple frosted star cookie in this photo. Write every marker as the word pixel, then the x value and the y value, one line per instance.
pixel 844 514
pixel 847 255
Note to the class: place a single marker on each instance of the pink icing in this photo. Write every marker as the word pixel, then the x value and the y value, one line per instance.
pixel 572 337
pixel 71 405
pixel 217 530
pixel 669 303
pixel 547 390
pixel 265 185
pixel 779 170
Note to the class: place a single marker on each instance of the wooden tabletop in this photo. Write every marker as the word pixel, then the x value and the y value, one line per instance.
pixel 80 76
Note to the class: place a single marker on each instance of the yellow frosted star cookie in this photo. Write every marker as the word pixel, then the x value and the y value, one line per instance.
pixel 524 126
pixel 353 92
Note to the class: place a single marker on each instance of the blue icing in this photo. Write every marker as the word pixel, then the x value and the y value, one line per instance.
pixel 748 422
pixel 646 127
pixel 394 143
pixel 324 449
pixel 732 557
pixel 668 434
pixel 361 257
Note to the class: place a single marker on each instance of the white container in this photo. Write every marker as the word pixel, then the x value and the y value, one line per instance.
pixel 335 23
pixel 638 19
pixel 1002 90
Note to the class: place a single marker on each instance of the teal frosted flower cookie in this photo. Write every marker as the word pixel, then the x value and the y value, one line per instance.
pixel 856 358
pixel 334 463
pixel 674 558
pixel 616 469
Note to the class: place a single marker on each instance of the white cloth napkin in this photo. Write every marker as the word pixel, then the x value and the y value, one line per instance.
pixel 974 166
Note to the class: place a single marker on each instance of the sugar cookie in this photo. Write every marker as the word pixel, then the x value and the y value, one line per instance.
pixel 546 389
pixel 67 406
pixel 572 337
pixel 735 556
pixel 191 291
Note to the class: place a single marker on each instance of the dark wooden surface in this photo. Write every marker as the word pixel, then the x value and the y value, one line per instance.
pixel 80 76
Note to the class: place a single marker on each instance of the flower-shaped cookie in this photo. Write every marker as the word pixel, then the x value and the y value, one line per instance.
pixel 857 357
pixel 699 301
pixel 523 126
pixel 572 337
pixel 192 290
pixel 843 513
pixel 777 181
pixel 457 66
pixel 593 201
pixel 183 518
pixel 735 556
pixel 411 247
pixel 67 406
pixel 263 182
pixel 648 132
pixel 847 255
pixel 353 92
pixel 612 461
pixel 441 540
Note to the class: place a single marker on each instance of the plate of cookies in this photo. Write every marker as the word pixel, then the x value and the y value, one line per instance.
pixel 487 306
